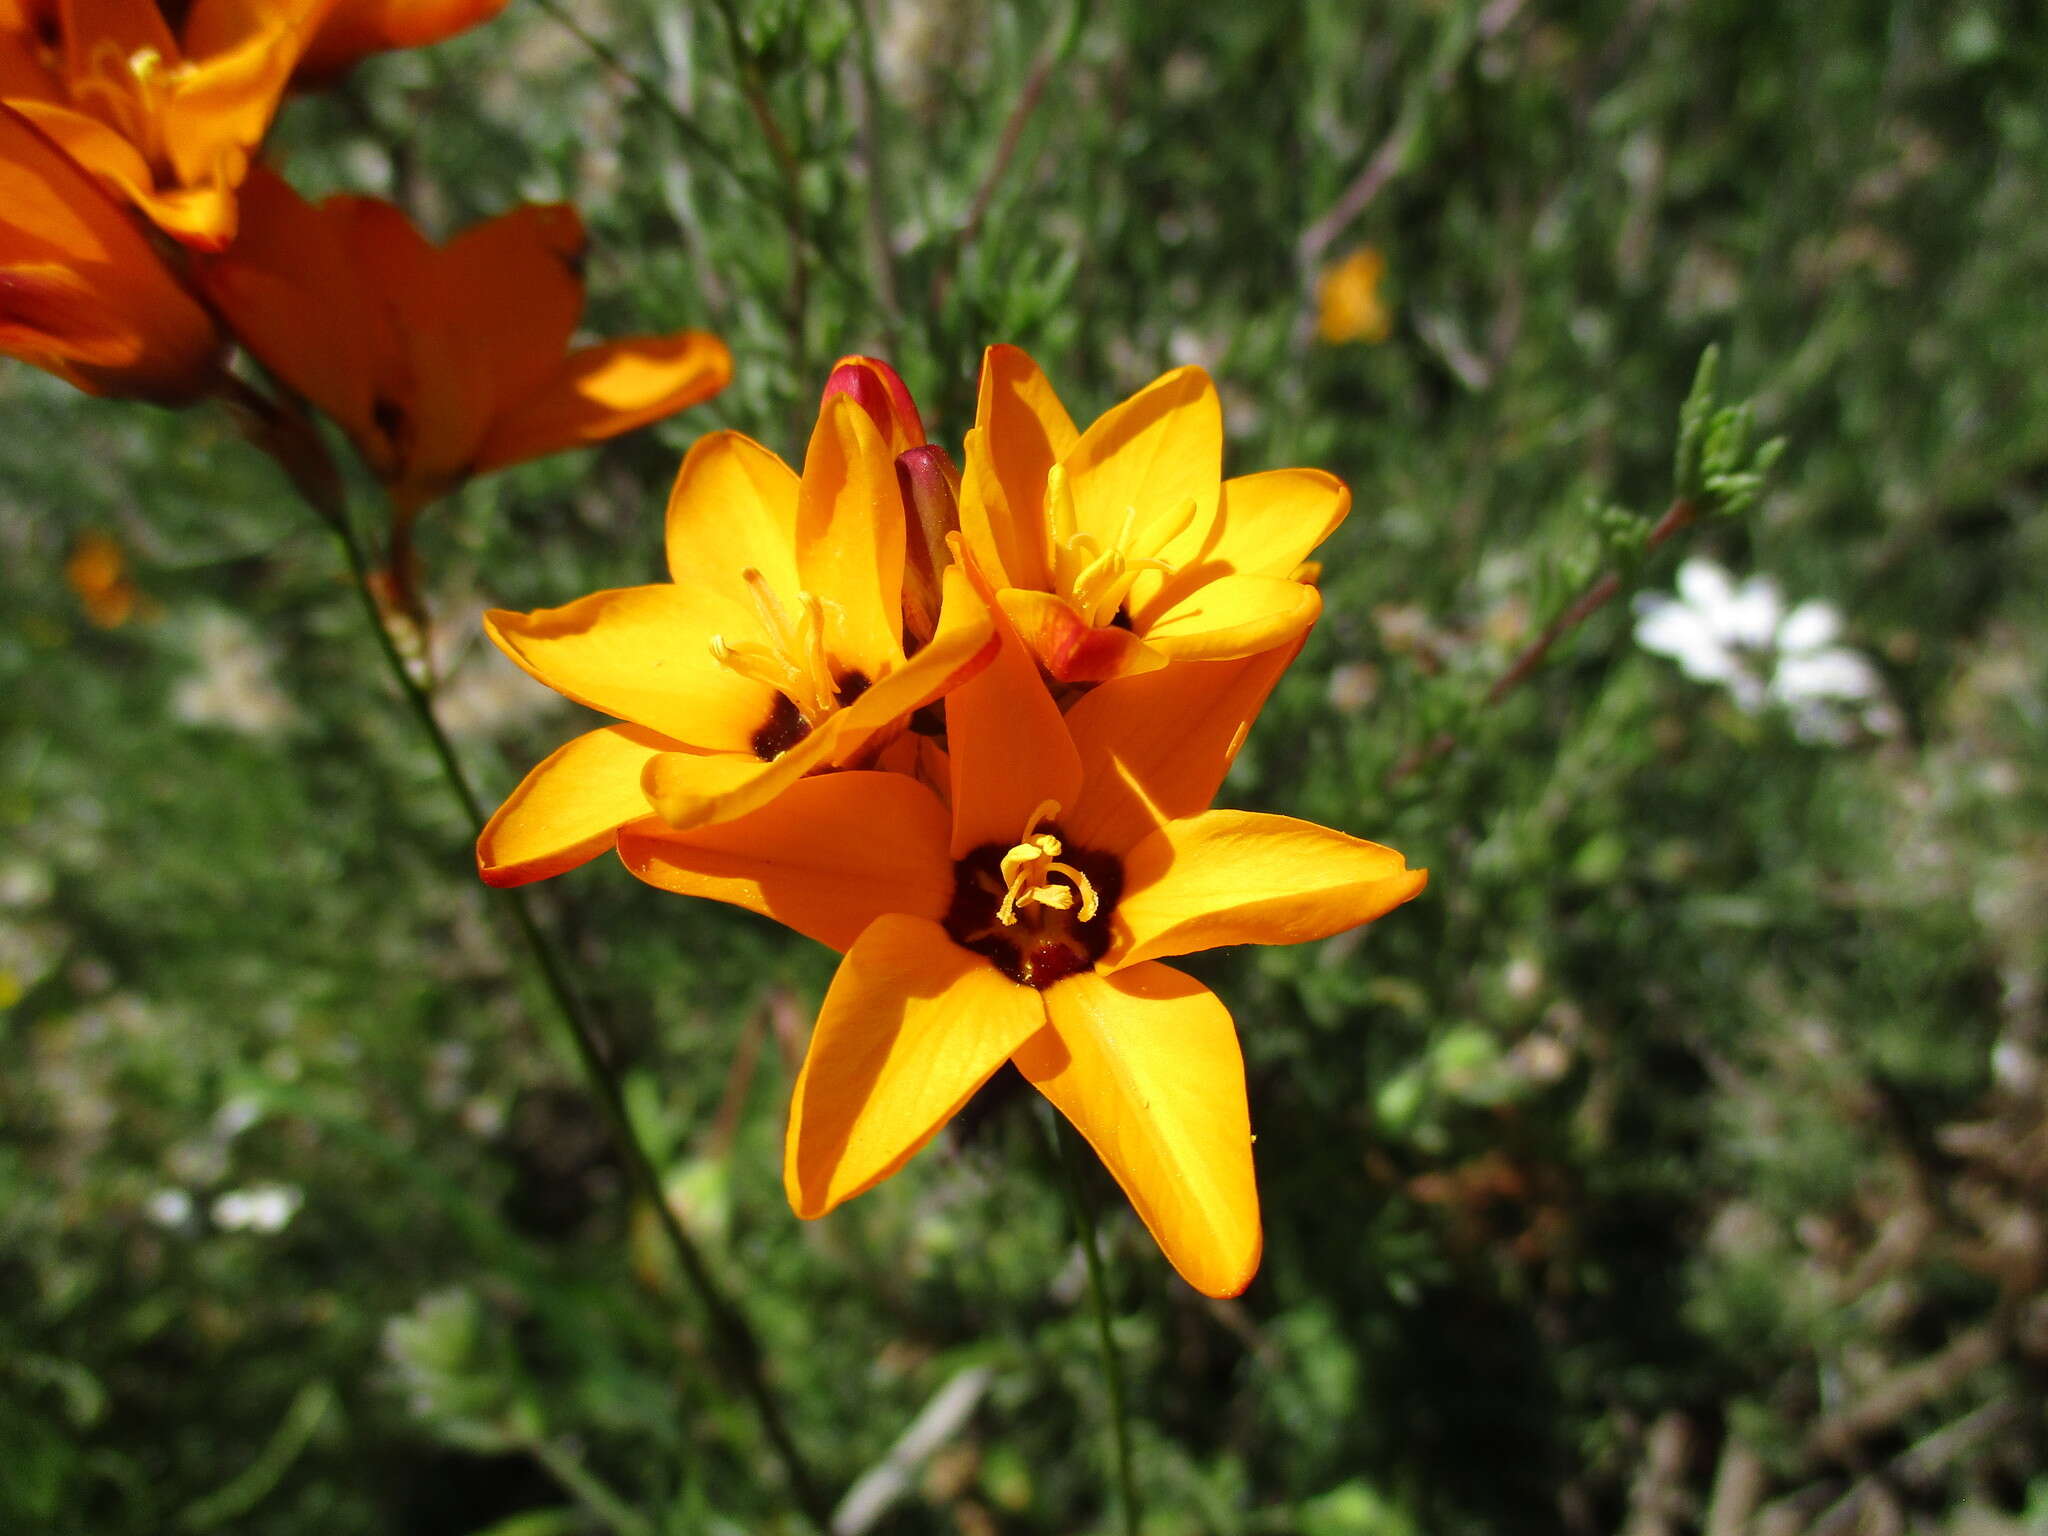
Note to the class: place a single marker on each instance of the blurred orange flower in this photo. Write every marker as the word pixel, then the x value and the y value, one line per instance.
pixel 97 572
pixel 1119 549
pixel 1348 305
pixel 83 293
pixel 776 651
pixel 355 29
pixel 1025 923
pixel 170 121
pixel 442 362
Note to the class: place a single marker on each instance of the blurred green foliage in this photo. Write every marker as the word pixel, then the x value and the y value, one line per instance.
pixel 1679 1156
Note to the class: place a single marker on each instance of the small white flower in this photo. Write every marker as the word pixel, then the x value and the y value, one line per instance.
pixel 1743 638
pixel 169 1207
pixel 259 1208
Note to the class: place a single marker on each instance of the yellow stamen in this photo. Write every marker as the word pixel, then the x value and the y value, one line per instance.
pixel 1096 580
pixel 794 661
pixel 1028 869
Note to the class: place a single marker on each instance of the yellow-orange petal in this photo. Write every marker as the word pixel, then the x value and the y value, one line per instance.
pixel 850 536
pixel 217 108
pixel 1238 877
pixel 1150 453
pixel 827 857
pixel 1020 431
pixel 733 508
pixel 569 809
pixel 1233 616
pixel 601 391
pixel 1264 525
pixel 1070 648
pixel 643 655
pixel 1010 751
pixel 1145 1063
pixel 355 29
pixel 1154 748
pixel 697 791
pixel 912 1025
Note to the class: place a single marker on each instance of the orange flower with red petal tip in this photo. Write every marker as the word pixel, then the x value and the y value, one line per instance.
pixel 355 29
pixel 1026 924
pixel 1122 548
pixel 442 362
pixel 83 292
pixel 777 651
pixel 167 119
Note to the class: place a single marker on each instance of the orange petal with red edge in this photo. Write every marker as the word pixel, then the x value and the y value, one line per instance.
pixel 912 1026
pixel 1070 648
pixel 569 809
pixel 1145 1064
pixel 826 857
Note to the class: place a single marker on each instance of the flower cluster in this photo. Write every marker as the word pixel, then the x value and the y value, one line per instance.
pixel 141 239
pixel 964 726
pixel 1743 638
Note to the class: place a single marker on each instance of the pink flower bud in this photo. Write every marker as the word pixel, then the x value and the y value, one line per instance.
pixel 875 387
pixel 931 497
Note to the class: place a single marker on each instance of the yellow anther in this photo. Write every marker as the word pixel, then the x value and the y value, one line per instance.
pixel 1028 869
pixel 794 661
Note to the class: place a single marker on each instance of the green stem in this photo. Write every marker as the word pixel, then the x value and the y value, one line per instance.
pixel 292 441
pixel 590 1490
pixel 1112 1363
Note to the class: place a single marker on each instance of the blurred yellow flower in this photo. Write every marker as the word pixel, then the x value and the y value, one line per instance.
pixel 1348 304
pixel 169 119
pixel 1119 549
pixel 83 292
pixel 1024 923
pixel 97 571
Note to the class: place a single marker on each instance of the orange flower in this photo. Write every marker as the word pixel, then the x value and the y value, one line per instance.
pixel 442 362
pixel 1122 548
pixel 169 121
pixel 777 651
pixel 98 573
pixel 355 29
pixel 1348 303
pixel 83 293
pixel 1026 924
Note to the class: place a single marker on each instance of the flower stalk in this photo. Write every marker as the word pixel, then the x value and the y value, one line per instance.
pixel 291 440
pixel 1112 1364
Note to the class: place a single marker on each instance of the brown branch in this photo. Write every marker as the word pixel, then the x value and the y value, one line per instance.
pixel 1679 516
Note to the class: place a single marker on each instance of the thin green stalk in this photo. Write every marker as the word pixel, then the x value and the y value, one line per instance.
pixel 589 1490
pixel 735 1344
pixel 291 440
pixel 1098 1300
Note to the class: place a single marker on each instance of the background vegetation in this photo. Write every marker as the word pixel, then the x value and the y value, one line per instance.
pixel 1677 1163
